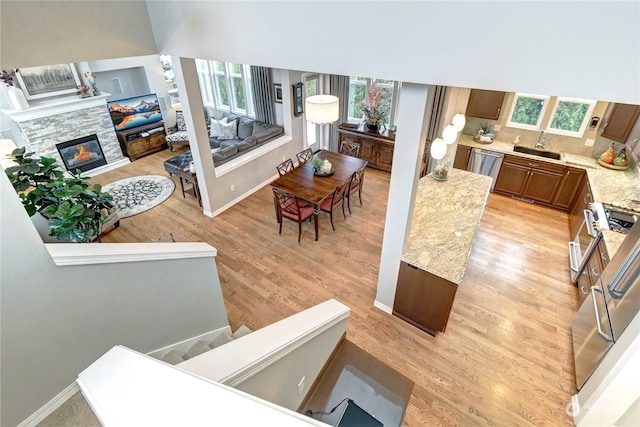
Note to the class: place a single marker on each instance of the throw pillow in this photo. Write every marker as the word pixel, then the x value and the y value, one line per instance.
pixel 180 123
pixel 259 127
pixel 245 128
pixel 228 130
pixel 214 130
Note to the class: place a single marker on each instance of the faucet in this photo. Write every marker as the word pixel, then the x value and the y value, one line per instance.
pixel 541 139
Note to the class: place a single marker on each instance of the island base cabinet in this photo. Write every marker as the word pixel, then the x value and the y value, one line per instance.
pixel 423 299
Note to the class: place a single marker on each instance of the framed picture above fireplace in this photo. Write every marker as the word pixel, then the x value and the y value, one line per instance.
pixel 48 80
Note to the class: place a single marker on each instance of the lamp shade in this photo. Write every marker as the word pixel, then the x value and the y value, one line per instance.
pixel 321 109
pixel 438 148
pixel 449 134
pixel 459 121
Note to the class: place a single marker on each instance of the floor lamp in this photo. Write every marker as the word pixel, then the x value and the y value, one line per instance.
pixel 321 110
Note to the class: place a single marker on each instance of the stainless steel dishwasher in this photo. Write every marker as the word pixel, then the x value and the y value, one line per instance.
pixel 485 162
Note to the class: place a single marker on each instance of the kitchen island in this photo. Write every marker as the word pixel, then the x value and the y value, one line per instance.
pixel 445 220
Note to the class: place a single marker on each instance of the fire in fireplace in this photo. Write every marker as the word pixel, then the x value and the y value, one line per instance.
pixel 82 153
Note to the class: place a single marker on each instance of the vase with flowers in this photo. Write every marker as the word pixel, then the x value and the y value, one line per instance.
pixel 16 96
pixel 91 79
pixel 374 109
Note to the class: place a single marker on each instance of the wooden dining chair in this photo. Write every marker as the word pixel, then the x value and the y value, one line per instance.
pixel 349 148
pixel 336 199
pixel 285 167
pixel 355 186
pixel 304 156
pixel 288 206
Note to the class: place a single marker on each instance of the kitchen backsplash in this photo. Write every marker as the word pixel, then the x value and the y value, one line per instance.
pixel 553 142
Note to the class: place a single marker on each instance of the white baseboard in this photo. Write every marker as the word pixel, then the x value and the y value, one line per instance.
pixel 241 197
pixel 108 167
pixel 185 345
pixel 382 307
pixel 48 408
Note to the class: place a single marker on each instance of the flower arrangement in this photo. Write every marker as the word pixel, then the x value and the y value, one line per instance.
pixel 7 77
pixel 373 109
pixel 90 78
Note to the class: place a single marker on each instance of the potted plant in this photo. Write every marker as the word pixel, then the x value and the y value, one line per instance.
pixel 373 109
pixel 75 210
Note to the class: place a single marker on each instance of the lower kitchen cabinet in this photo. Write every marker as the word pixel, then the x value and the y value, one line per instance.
pixel 375 148
pixel 463 153
pixel 581 202
pixel 569 188
pixel 423 299
pixel 592 270
pixel 536 180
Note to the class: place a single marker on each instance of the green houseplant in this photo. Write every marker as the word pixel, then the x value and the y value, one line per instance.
pixel 75 210
pixel 374 108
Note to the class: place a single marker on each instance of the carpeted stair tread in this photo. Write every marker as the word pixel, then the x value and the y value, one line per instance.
pixel 174 356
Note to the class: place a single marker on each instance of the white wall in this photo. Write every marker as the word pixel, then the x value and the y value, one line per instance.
pixel 55 321
pixel 584 49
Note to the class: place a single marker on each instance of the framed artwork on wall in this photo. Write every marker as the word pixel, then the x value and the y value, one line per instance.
pixel 297 100
pixel 48 80
pixel 277 90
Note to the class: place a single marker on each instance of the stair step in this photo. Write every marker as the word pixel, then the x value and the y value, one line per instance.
pixel 174 356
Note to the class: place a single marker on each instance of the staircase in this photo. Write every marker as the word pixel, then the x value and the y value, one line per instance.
pixel 175 357
pixel 76 411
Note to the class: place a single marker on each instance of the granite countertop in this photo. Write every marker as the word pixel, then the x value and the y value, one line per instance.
pixel 445 220
pixel 612 187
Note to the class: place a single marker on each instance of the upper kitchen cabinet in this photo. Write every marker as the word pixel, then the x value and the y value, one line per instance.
pixel 620 122
pixel 485 104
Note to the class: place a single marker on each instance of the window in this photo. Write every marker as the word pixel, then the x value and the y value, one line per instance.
pixel 170 80
pixel 358 88
pixel 570 116
pixel 312 87
pixel 226 86
pixel 527 111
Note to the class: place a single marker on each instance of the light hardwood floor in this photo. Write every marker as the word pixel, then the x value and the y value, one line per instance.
pixel 506 356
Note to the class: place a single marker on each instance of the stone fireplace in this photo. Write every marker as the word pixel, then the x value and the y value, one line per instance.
pixel 50 123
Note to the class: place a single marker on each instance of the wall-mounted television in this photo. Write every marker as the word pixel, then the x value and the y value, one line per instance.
pixel 136 111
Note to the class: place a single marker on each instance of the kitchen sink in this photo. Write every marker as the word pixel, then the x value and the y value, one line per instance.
pixel 536 152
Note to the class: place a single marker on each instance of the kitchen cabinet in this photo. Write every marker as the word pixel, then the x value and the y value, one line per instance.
pixel 461 161
pixel 581 202
pixel 620 122
pixel 485 104
pixel 423 299
pixel 143 140
pixel 569 187
pixel 529 179
pixel 375 148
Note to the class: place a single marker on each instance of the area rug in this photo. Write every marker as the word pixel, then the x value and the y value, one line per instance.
pixel 139 193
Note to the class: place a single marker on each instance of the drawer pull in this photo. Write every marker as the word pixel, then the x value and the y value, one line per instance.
pixel 595 272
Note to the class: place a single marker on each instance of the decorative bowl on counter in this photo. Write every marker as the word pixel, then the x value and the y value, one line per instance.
pixel 614 167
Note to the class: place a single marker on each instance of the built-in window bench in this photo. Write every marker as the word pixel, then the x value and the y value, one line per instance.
pixel 352 373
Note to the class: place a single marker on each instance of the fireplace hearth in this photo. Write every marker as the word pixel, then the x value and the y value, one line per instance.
pixel 82 153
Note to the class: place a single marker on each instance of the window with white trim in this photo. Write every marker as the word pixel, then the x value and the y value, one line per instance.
pixel 226 86
pixel 358 88
pixel 570 116
pixel 527 111
pixel 312 86
pixel 170 80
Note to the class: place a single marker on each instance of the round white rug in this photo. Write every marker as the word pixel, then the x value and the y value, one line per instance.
pixel 139 193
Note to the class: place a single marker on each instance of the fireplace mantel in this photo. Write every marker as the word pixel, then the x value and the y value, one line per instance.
pixel 57 106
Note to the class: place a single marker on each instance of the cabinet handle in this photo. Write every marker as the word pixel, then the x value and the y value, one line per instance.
pixel 595 272
pixel 498 113
pixel 568 172
pixel 587 198
pixel 605 126
pixel 604 257
pixel 533 165
pixel 584 290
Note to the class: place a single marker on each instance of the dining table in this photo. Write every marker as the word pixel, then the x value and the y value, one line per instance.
pixel 306 185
